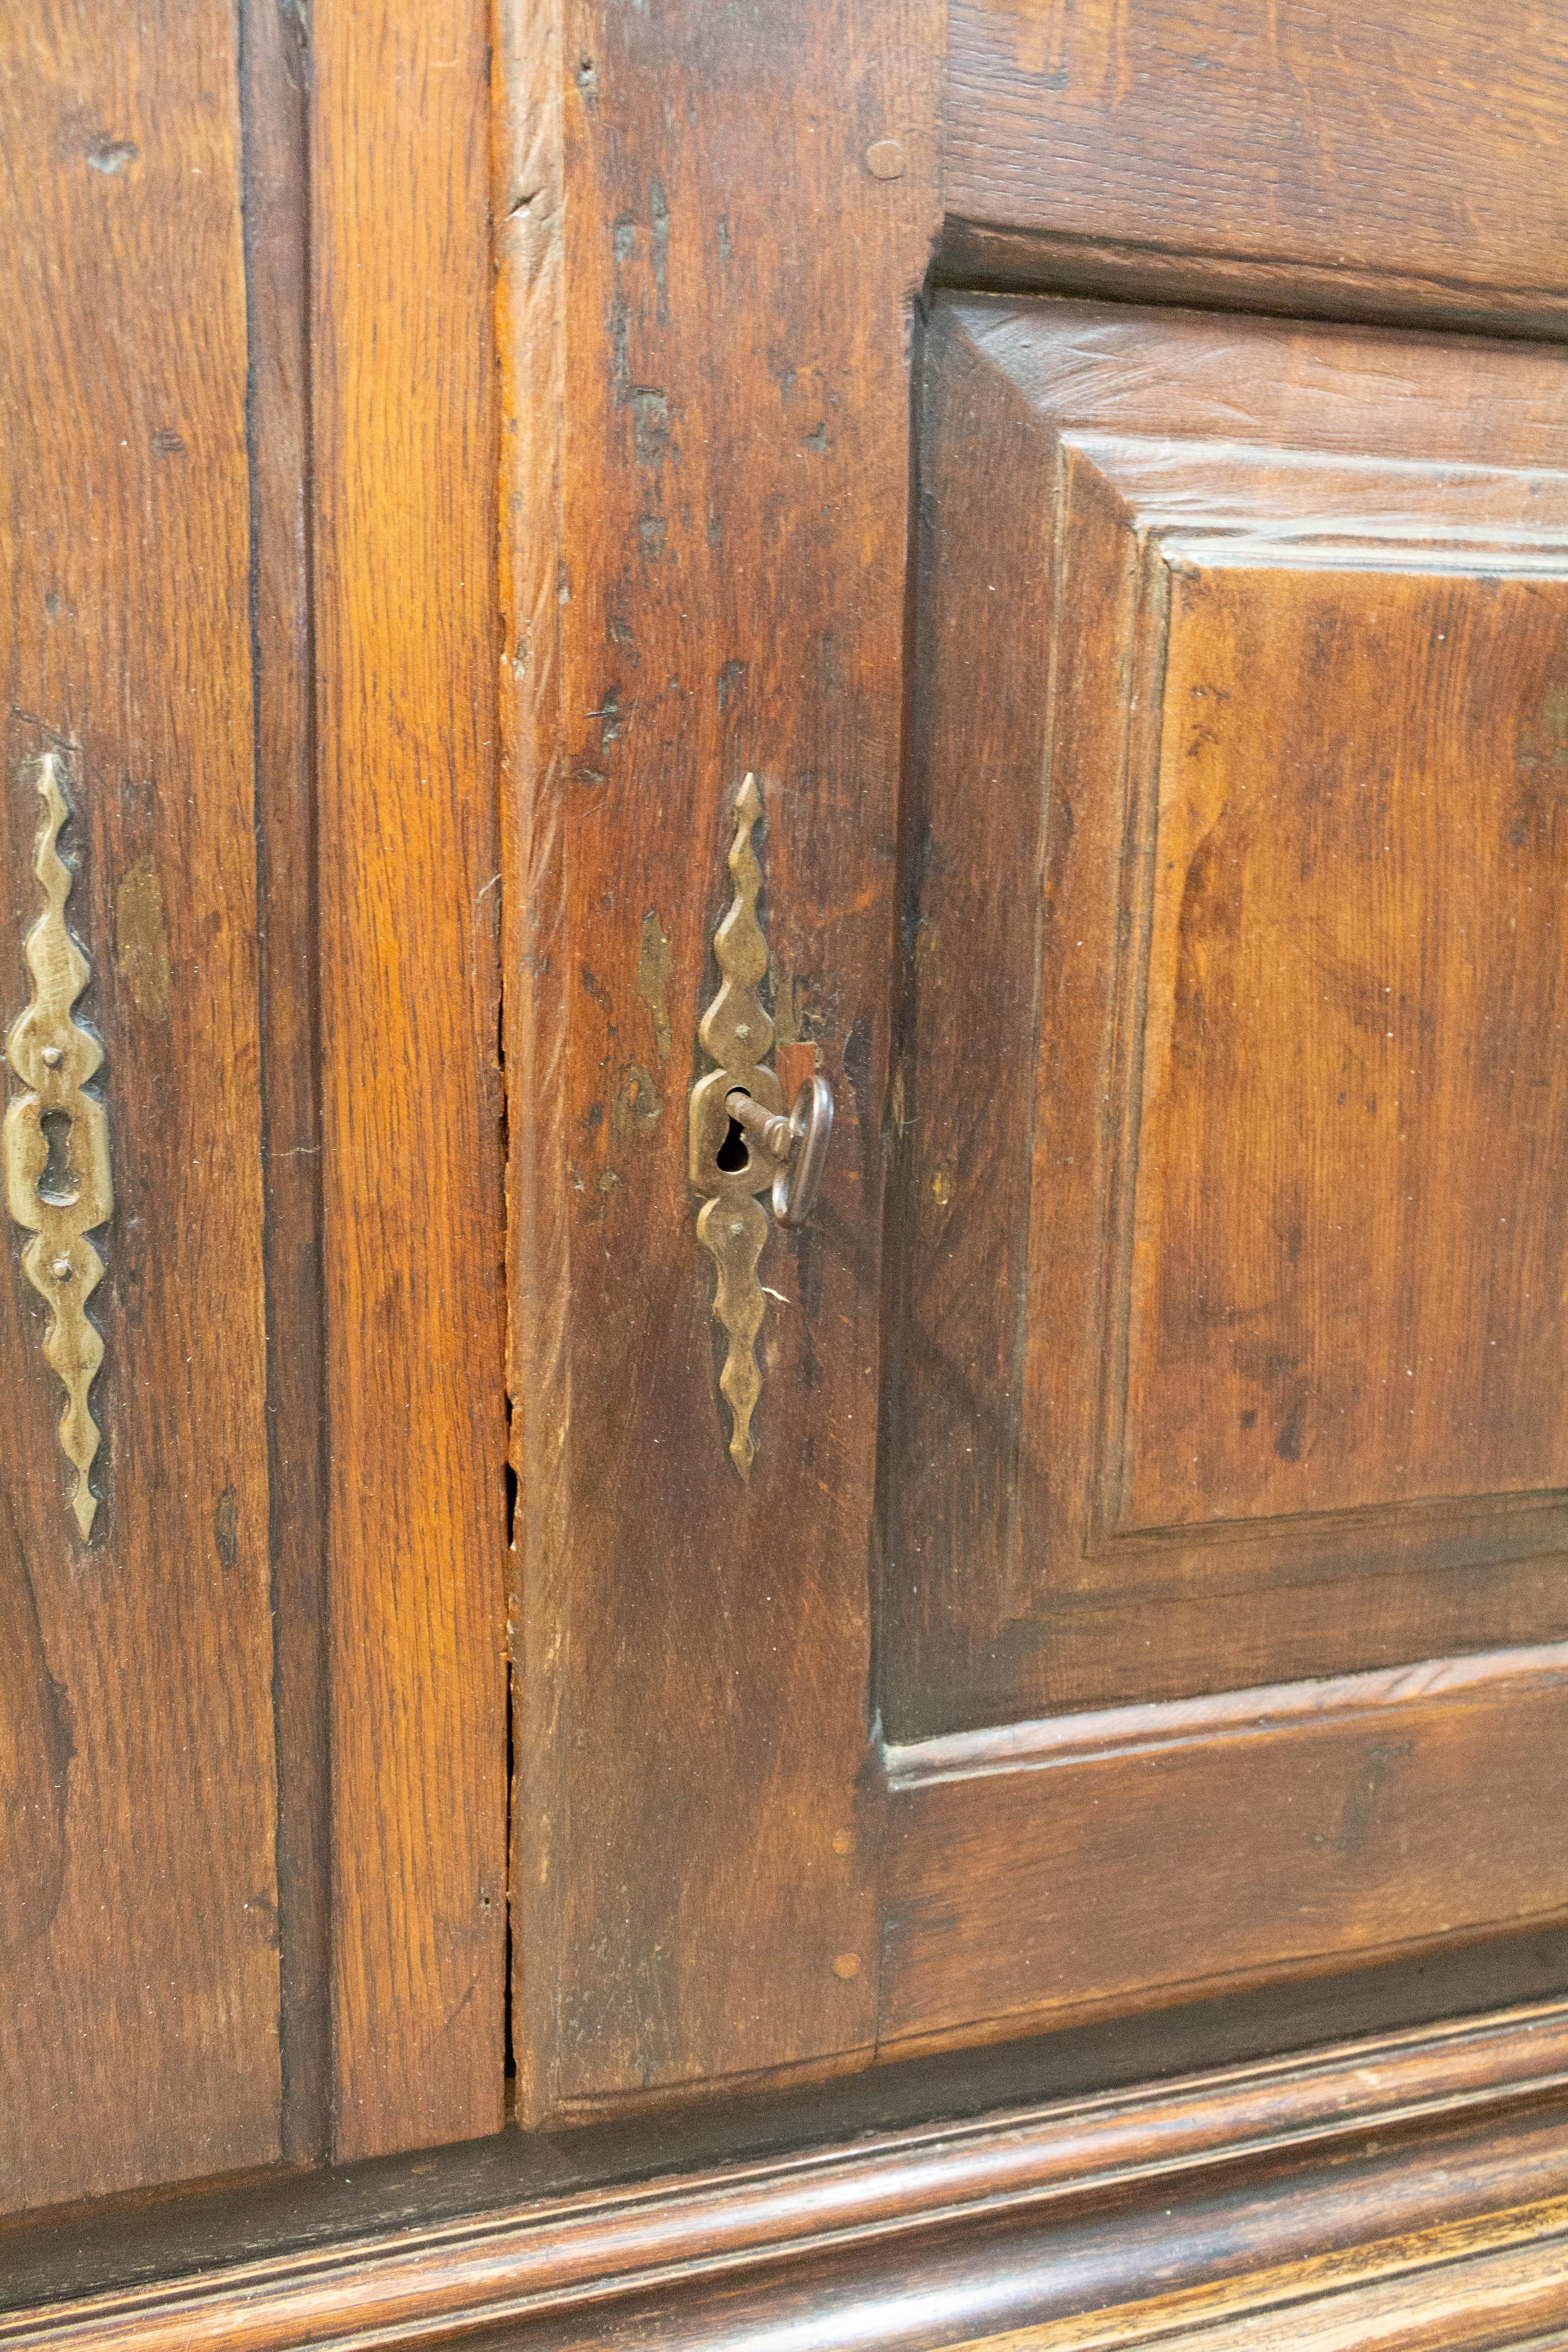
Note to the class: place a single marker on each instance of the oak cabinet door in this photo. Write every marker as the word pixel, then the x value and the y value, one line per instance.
pixel 139 1966
pixel 252 1501
pixel 1113 1553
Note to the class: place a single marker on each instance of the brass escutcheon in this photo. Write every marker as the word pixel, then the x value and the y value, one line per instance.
pixel 61 1194
pixel 744 1094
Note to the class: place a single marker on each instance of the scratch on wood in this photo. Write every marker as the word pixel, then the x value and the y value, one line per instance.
pixel 653 979
pixel 142 941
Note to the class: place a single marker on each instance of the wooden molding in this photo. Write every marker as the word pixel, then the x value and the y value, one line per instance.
pixel 1171 1723
pixel 1018 260
pixel 1494 2282
pixel 955 2232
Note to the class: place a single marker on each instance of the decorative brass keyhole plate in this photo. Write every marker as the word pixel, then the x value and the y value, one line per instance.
pixel 741 1141
pixel 736 1033
pixel 56 1142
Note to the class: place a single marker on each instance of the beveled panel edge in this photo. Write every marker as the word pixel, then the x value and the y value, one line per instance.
pixel 983 256
pixel 528 2262
pixel 1167 1723
pixel 1068 353
pixel 1332 489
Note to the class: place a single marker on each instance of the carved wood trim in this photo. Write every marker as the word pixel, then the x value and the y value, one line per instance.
pixel 1490 2283
pixel 1244 2166
pixel 986 254
pixel 1233 1714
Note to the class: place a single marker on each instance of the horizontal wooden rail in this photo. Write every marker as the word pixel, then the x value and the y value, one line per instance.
pixel 1034 1873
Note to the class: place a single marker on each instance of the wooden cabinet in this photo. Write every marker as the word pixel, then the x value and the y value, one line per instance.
pixel 1012 562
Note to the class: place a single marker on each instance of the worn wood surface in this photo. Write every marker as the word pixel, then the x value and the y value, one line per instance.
pixel 127 2245
pixel 1345 159
pixel 1185 2186
pixel 1349 1254
pixel 1135 1855
pixel 1157 1289
pixel 138 1897
pixel 705 576
pixel 1468 2286
pixel 406 460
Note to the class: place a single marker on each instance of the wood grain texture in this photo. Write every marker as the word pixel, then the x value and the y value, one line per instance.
pixel 1088 475
pixel 138 1915
pixel 125 2246
pixel 1349 1259
pixel 706 576
pixel 275 78
pixel 1119 1859
pixel 920 2236
pixel 405 520
pixel 1349 160
pixel 1471 2285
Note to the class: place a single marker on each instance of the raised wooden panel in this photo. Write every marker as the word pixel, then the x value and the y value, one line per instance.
pixel 1232 1267
pixel 1337 158
pixel 1349 1246
pixel 139 1965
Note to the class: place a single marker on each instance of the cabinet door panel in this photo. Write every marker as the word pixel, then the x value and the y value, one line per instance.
pixel 1348 1242
pixel 138 1897
pixel 1229 1356
pixel 252 1722
pixel 1233 1257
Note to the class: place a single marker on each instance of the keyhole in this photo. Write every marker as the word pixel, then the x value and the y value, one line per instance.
pixel 58 1187
pixel 734 1154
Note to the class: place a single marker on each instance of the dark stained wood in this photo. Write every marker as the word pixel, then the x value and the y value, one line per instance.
pixel 989 2280
pixel 404 523
pixel 275 71
pixel 1206 2183
pixel 138 1897
pixel 1217 1075
pixel 1474 2285
pixel 1134 1856
pixel 125 2243
pixel 1340 159
pixel 1091 477
pixel 706 437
